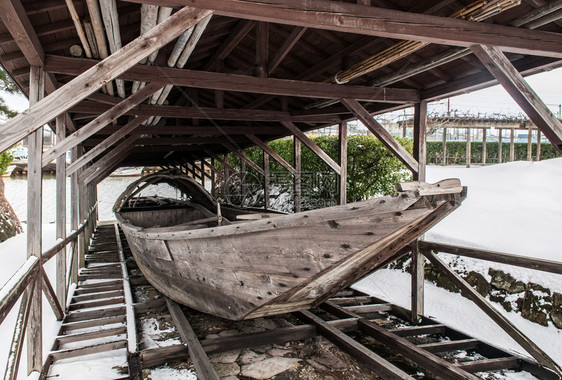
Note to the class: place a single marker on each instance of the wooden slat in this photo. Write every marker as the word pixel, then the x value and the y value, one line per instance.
pixel 498 257
pixel 452 345
pixel 200 359
pixel 365 309
pixel 64 339
pixel 378 130
pixel 535 351
pixel 240 83
pixel 382 22
pixel 102 347
pixel 419 330
pixel 96 77
pixel 490 364
pixel 424 359
pixel 382 367
pixel 502 69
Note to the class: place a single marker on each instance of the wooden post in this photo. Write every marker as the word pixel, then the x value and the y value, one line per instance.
pixel 82 211
pixel 74 219
pixel 538 145
pixel 298 188
pixel 404 130
pixel 512 146
pixel 468 147
pixel 444 162
pixel 484 147
pixel 202 169
pixel 500 146
pixel 226 176
pixel 266 180
pixel 61 213
pixel 529 145
pixel 420 148
pixel 242 179
pixel 34 221
pixel 418 274
pixel 342 176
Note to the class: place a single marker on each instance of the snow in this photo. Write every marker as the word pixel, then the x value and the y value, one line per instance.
pixel 514 208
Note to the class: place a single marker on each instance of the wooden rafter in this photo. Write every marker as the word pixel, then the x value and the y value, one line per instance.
pixel 375 21
pixel 272 153
pixel 93 79
pixel 99 122
pixel 106 164
pixel 508 76
pixel 241 83
pixel 244 158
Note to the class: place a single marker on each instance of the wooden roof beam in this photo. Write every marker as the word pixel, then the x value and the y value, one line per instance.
pixel 210 113
pixel 262 144
pixel 241 83
pixel 508 76
pixel 244 158
pixel 93 79
pixel 289 43
pixel 211 130
pixel 374 21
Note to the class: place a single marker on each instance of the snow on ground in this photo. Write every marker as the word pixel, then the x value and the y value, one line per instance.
pixel 513 208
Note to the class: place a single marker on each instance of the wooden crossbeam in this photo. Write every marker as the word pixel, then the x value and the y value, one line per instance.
pixel 99 123
pixel 110 160
pixel 468 291
pixel 312 146
pixel 508 76
pixel 378 130
pixel 105 144
pixel 289 43
pixel 241 83
pixel 93 79
pixel 197 130
pixel 51 296
pixel 272 153
pixel 494 256
pixel 382 22
pixel 223 162
pixel 244 158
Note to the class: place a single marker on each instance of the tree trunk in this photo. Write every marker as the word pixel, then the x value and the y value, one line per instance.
pixel 9 222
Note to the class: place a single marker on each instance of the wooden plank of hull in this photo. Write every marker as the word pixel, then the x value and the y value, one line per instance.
pixel 237 276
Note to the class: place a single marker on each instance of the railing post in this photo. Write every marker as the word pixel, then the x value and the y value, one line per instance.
pixel 418 275
pixel 266 180
pixel 34 221
pixel 342 175
pixel 74 218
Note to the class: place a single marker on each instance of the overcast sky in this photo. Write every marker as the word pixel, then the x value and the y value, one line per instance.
pixel 493 100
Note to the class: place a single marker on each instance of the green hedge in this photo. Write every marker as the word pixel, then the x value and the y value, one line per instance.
pixel 456 152
pixel 372 170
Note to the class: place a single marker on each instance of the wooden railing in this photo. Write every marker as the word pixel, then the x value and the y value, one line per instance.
pixel 428 250
pixel 18 287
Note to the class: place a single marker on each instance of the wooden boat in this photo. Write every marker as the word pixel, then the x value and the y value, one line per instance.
pixel 259 264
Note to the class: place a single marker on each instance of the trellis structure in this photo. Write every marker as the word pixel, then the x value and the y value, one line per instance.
pixel 180 83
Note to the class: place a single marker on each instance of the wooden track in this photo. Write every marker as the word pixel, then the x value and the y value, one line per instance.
pixel 374 333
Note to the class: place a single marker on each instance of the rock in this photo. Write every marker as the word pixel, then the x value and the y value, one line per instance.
pixel 225 357
pixel 228 333
pixel 556 318
pixel 317 366
pixel 530 308
pixel 557 301
pixel 330 360
pixel 227 369
pixel 269 367
pixel 251 357
pixel 264 324
pixel 212 336
pixel 477 280
pixel 500 279
pixel 278 352
pixel 229 378
pixel 534 286
pixel 517 287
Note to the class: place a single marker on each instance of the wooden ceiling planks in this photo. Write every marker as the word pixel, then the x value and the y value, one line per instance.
pixel 313 55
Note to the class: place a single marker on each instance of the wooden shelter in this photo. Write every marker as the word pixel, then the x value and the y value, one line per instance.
pixel 181 82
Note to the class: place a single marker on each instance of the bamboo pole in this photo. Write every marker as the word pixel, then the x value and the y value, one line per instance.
pixel 79 28
pixel 111 22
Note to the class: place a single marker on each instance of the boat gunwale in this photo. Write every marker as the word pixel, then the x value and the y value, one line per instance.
pixel 403 199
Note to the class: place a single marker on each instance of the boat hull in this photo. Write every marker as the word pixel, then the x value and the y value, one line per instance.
pixel 284 264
